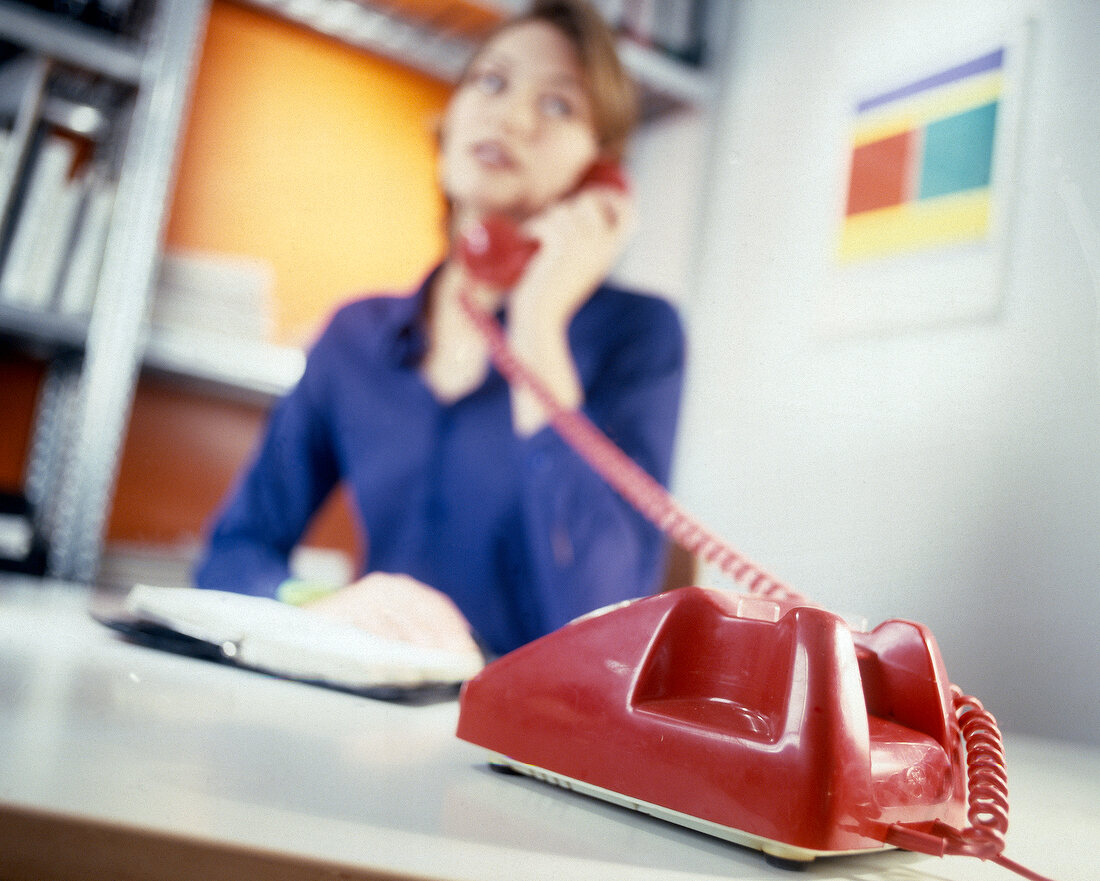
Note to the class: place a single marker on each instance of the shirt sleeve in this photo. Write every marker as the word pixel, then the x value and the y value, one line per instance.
pixel 586 546
pixel 267 512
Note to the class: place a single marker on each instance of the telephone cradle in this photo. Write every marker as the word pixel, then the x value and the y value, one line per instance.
pixel 765 723
pixel 760 718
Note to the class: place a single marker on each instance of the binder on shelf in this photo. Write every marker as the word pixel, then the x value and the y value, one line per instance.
pixel 224 295
pixel 678 29
pixel 22 548
pixel 54 245
pixel 674 28
pixel 611 10
pixel 636 20
pixel 43 227
pixel 6 171
pixel 81 278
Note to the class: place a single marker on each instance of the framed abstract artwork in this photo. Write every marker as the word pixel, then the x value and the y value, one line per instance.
pixel 921 236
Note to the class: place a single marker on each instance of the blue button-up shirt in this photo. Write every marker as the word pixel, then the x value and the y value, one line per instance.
pixel 519 532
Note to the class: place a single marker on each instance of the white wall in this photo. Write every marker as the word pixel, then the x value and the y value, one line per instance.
pixel 947 474
pixel 667 161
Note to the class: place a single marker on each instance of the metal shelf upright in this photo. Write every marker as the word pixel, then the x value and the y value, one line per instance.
pixel 85 401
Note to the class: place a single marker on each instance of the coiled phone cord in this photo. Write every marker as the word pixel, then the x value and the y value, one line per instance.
pixel 987 782
pixel 987 797
pixel 628 478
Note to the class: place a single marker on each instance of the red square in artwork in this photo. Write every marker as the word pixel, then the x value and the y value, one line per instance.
pixel 880 173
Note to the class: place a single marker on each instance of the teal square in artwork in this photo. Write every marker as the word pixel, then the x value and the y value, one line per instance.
pixel 958 152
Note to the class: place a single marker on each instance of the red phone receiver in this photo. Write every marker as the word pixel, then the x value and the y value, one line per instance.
pixel 495 251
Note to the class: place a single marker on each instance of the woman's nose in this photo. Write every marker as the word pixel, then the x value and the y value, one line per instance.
pixel 519 113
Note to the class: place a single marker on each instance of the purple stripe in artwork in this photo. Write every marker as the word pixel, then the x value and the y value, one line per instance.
pixel 992 61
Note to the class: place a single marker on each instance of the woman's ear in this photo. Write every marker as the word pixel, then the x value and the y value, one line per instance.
pixel 436 127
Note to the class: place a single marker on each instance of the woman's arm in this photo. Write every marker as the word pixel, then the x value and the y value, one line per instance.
pixel 292 472
pixel 580 238
pixel 586 546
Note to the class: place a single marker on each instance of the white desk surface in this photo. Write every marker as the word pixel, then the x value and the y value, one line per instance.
pixel 123 761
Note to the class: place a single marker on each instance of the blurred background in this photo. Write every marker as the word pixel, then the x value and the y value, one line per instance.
pixel 893 399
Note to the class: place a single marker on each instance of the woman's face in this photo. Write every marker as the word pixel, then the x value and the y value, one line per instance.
pixel 518 133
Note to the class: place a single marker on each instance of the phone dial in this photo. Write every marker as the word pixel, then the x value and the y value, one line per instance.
pixel 760 717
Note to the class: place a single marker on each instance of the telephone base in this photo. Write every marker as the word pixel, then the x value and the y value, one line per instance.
pixel 777 850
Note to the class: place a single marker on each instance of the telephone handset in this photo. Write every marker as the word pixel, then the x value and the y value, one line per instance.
pixel 922 769
pixel 494 250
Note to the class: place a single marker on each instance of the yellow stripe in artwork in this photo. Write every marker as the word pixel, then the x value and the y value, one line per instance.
pixel 960 217
pixel 927 107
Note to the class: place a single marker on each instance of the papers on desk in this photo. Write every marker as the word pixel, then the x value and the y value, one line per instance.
pixel 273 637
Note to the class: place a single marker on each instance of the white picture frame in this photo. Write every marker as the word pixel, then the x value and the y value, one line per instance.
pixel 942 269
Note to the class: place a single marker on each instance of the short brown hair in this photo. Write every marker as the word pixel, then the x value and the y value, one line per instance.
pixel 611 91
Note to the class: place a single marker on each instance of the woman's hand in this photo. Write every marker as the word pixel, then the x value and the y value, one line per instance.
pixel 400 608
pixel 580 239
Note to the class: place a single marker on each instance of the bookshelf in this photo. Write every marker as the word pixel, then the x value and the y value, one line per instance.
pixel 118 57
pixel 252 370
pixel 662 43
pixel 435 38
pixel 110 107
pixel 89 143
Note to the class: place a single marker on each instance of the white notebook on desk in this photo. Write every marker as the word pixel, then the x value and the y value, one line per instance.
pixel 273 637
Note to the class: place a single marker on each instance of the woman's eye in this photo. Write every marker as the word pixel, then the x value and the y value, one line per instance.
pixel 556 105
pixel 490 82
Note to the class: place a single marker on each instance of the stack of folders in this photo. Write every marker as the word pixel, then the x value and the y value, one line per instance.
pixel 676 28
pixel 215 295
pixel 59 231
pixel 283 640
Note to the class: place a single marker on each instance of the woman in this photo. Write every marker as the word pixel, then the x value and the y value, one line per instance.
pixel 477 517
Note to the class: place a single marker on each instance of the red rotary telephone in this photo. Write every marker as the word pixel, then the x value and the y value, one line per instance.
pixel 760 718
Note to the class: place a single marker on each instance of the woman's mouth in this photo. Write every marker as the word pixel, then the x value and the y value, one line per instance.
pixel 495 155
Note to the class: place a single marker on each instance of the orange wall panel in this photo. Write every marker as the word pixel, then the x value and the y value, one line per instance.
pixel 313 156
pixel 319 159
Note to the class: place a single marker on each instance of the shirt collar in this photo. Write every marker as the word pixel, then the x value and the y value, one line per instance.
pixel 410 332
pixel 410 323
